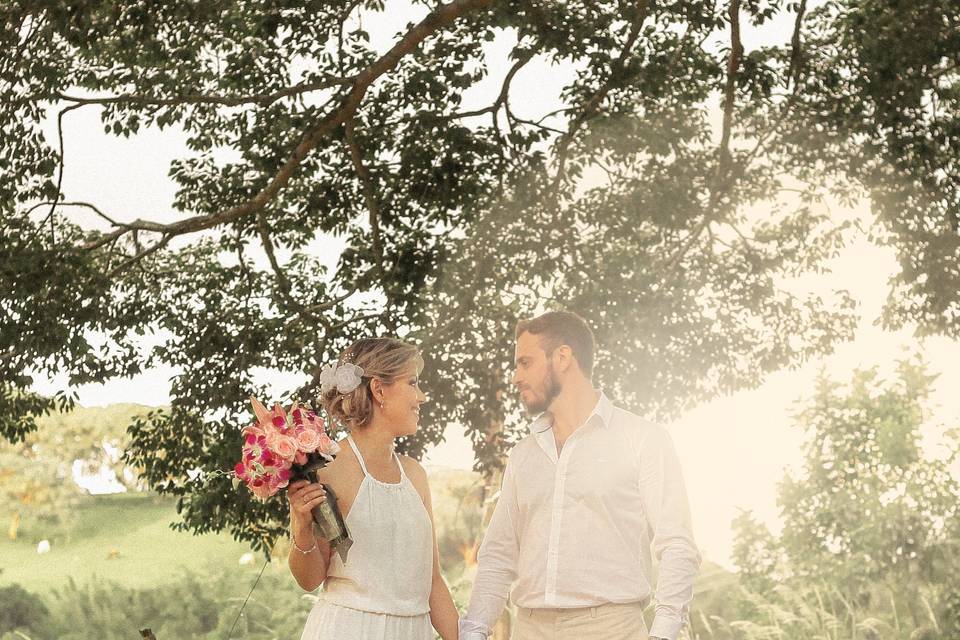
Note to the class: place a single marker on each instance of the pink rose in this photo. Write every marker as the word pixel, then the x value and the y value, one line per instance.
pixel 273 437
pixel 285 447
pixel 308 440
pixel 327 445
pixel 311 421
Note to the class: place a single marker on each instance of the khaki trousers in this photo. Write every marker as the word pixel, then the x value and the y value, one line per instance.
pixel 605 622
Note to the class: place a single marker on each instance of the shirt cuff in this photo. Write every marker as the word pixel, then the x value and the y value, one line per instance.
pixel 470 630
pixel 665 627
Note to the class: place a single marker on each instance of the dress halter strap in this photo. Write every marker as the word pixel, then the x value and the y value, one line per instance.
pixel 359 457
pixel 403 474
pixel 363 465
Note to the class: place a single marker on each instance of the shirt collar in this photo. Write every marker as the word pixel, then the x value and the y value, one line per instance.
pixel 541 423
pixel 602 410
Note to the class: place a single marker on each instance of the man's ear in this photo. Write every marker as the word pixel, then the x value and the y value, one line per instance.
pixel 563 358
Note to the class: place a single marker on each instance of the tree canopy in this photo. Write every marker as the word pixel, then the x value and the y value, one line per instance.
pixel 629 201
pixel 38 476
pixel 872 518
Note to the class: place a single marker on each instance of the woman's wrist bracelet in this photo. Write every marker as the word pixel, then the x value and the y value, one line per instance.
pixel 293 541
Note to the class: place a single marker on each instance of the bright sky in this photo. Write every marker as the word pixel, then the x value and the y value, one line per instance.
pixel 734 449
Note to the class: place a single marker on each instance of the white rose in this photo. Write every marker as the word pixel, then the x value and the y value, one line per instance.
pixel 348 377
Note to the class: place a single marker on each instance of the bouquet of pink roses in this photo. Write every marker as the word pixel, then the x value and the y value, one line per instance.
pixel 281 447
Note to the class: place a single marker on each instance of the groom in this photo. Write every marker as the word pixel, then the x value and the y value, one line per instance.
pixel 584 498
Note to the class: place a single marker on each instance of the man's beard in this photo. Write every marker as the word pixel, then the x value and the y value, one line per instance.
pixel 551 389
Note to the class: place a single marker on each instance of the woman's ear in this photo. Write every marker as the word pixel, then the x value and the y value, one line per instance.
pixel 376 390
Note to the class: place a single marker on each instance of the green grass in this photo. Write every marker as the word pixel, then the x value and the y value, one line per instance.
pixel 135 527
pixel 149 552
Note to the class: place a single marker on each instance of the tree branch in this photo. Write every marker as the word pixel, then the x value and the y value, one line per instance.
pixel 441 17
pixel 721 180
pixel 589 108
pixel 370 198
pixel 312 311
pixel 502 98
pixel 282 280
pixel 537 125
pixel 56 198
pixel 553 113
pixel 196 98
pixel 796 52
pixel 74 204
pixel 123 266
pixel 331 303
pixel 729 92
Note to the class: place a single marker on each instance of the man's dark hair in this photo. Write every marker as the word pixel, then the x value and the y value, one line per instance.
pixel 557 328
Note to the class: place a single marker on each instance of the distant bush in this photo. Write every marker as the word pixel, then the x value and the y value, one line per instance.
pixel 868 548
pixel 22 611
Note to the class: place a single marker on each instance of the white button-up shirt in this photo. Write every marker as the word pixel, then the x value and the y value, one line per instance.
pixel 576 529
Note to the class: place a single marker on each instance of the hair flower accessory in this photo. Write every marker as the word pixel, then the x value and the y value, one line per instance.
pixel 345 377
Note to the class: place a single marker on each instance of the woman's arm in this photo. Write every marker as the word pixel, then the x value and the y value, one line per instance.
pixel 443 613
pixel 309 556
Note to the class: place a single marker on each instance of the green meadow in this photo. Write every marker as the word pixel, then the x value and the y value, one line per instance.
pixel 123 538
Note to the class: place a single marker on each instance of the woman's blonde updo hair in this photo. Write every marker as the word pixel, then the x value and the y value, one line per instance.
pixel 383 358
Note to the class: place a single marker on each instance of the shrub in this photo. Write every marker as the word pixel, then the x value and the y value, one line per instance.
pixel 199 605
pixel 22 611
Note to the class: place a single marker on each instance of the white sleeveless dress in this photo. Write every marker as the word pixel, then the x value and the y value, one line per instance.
pixel 383 591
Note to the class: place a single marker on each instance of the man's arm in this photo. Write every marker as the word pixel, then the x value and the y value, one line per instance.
pixel 497 564
pixel 668 514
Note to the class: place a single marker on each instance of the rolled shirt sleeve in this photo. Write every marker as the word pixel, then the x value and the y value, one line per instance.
pixel 497 568
pixel 667 509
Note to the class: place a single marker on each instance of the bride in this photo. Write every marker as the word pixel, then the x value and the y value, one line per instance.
pixel 390 588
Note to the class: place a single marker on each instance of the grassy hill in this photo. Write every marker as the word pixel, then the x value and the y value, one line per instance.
pixel 122 568
pixel 125 538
